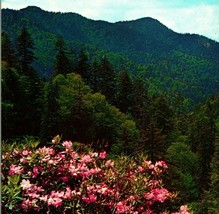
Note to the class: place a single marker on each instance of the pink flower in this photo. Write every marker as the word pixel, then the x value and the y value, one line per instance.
pixel 16 152
pixel 57 202
pixel 65 178
pixel 33 195
pixel 122 208
pixel 148 164
pixel 140 169
pixel 90 199
pixel 15 170
pixel 35 172
pixel 52 161
pixel 153 183
pixel 94 154
pixel 27 204
pixel 158 194
pixel 132 198
pixel 86 159
pixel 148 212
pixel 109 163
pixel 74 154
pixel 68 193
pixel 57 194
pixel 23 160
pixel 67 145
pixel 25 152
pixel 94 171
pixel 184 210
pixel 45 151
pixel 73 170
pixel 44 198
pixel 102 155
pixel 25 184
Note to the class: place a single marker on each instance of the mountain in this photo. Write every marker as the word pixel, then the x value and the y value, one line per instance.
pixel 180 63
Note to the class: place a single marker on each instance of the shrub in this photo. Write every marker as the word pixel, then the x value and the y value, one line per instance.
pixel 60 179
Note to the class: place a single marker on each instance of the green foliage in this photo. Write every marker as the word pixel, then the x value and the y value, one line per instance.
pixel 62 61
pixel 211 199
pixel 82 67
pixel 107 79
pixel 7 50
pixel 156 78
pixel 49 124
pixel 88 117
pixel 177 63
pixel 124 92
pixel 25 46
pixel 184 164
pixel 202 138
pixel 11 192
pixel 66 178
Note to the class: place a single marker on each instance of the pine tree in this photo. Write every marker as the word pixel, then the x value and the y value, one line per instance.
pixel 124 92
pixel 8 52
pixel 202 139
pixel 11 93
pixel 94 78
pixel 152 141
pixel 63 64
pixel 30 103
pixel 162 113
pixel 107 80
pixel 25 47
pixel 82 66
pixel 213 194
pixel 140 103
pixel 50 120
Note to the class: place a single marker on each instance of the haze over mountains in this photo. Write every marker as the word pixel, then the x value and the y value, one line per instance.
pixel 182 63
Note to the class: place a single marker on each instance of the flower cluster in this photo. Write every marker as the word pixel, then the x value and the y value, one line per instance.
pixel 60 179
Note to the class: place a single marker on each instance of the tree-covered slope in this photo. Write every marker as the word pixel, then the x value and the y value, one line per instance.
pixel 179 63
pixel 146 35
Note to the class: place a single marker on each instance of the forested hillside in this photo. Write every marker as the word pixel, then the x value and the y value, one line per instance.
pixel 127 88
pixel 177 63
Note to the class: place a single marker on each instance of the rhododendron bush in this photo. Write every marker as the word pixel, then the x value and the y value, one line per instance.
pixel 59 179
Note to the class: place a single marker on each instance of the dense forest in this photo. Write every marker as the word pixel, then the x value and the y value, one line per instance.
pixel 173 62
pixel 127 101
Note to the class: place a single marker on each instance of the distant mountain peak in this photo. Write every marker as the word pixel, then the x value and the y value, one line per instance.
pixel 147 42
pixel 33 8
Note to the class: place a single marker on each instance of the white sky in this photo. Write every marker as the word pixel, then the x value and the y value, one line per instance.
pixel 182 16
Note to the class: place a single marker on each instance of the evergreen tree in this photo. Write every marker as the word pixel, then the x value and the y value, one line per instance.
pixel 62 61
pixel 30 103
pixel 25 47
pixel 50 120
pixel 11 93
pixel 82 66
pixel 152 141
pixel 94 78
pixel 163 114
pixel 8 52
pixel 140 103
pixel 202 138
pixel 107 80
pixel 124 92
pixel 22 89
pixel 213 194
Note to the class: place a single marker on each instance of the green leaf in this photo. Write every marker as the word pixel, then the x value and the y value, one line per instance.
pixel 10 207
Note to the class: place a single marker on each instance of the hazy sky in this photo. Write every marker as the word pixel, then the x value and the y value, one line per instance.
pixel 183 16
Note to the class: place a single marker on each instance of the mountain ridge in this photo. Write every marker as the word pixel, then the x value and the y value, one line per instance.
pixel 160 52
pixel 146 29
